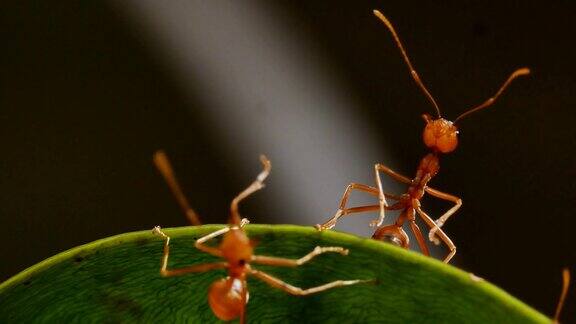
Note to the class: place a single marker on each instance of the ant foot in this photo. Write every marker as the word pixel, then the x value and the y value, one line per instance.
pixel 158 231
pixel 344 251
pixel 432 235
pixel 323 227
pixel 370 281
pixel 244 222
pixel 376 222
pixel 331 223
pixel 335 249
pixel 475 278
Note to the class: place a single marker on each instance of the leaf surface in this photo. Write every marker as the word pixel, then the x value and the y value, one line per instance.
pixel 117 279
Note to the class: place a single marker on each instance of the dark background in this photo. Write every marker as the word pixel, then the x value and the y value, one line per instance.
pixel 84 102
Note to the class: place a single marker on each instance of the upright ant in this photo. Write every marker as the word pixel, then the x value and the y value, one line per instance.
pixel 227 297
pixel 440 136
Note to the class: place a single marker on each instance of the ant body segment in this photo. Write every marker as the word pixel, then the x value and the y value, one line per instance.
pixel 228 297
pixel 440 137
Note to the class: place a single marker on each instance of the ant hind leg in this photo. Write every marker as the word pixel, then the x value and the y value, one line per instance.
pixel 283 262
pixel 277 283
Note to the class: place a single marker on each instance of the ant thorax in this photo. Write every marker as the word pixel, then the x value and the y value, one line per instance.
pixel 428 168
pixel 236 249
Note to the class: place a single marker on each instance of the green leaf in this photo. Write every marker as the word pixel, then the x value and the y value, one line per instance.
pixel 117 280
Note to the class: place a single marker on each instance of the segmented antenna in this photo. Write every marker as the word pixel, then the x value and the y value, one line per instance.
pixel 163 165
pixel 413 72
pixel 490 101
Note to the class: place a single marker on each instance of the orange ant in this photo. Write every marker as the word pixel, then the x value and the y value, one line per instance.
pixel 440 136
pixel 227 297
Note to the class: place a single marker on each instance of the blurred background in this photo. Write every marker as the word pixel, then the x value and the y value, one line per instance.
pixel 89 90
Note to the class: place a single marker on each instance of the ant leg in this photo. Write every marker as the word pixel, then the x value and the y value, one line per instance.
pixel 395 175
pixel 381 196
pixel 196 268
pixel 165 272
pixel 163 165
pixel 283 262
pixel 212 250
pixel 343 211
pixel 255 186
pixel 277 283
pixel 440 233
pixel 362 187
pixel 442 219
pixel 348 211
pixel 419 238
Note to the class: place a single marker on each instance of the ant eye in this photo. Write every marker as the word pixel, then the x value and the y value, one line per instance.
pixel 242 262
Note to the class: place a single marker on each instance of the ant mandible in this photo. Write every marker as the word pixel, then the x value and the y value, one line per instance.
pixel 440 136
pixel 228 297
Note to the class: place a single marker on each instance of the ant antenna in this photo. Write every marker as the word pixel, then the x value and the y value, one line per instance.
pixel 405 56
pixel 565 285
pixel 255 186
pixel 163 165
pixel 490 101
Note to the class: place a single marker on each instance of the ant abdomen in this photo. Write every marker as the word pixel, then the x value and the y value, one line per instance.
pixel 226 298
pixel 392 234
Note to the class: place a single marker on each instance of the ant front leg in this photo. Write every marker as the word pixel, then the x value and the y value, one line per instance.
pixel 283 262
pixel 165 272
pixel 212 250
pixel 277 283
pixel 343 211
pixel 381 195
pixel 252 188
pixel 442 219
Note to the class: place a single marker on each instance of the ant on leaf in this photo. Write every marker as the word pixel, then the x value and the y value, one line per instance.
pixel 228 297
pixel 441 137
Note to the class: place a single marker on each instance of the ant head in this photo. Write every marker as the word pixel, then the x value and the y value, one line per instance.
pixel 440 135
pixel 236 247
